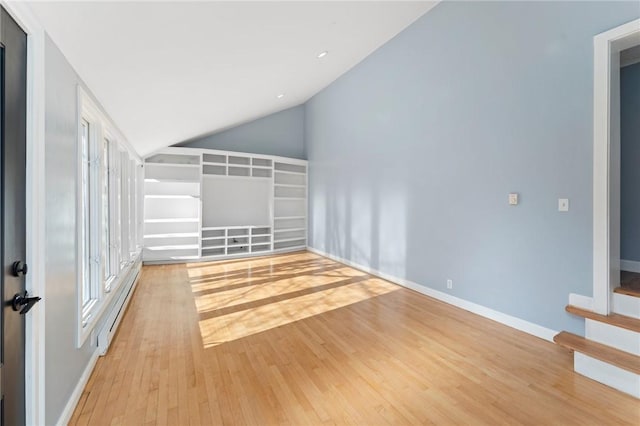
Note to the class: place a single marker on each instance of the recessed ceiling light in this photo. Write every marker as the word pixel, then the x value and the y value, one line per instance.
pixel 322 54
pixel 280 96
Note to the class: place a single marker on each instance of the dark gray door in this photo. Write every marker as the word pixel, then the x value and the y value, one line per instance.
pixel 13 138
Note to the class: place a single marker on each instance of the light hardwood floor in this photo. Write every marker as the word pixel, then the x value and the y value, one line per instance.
pixel 301 340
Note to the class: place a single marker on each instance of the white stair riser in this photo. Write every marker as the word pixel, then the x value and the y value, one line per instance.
pixel 626 305
pixel 610 375
pixel 610 335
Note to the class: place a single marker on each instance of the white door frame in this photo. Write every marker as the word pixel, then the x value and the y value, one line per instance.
pixel 35 279
pixel 606 159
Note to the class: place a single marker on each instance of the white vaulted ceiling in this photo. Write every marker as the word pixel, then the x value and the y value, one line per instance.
pixel 170 71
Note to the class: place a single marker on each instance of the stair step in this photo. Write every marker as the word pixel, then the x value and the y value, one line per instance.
pixel 604 353
pixel 628 291
pixel 618 320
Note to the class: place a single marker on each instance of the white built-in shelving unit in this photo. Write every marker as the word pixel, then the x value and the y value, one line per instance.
pixel 290 211
pixel 206 204
pixel 171 207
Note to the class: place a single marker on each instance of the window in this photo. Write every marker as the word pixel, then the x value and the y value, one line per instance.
pixel 106 190
pixel 116 209
pixel 132 209
pixel 124 209
pixel 88 293
pixel 106 259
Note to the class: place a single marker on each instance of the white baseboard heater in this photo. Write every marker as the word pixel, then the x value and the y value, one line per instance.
pixel 113 318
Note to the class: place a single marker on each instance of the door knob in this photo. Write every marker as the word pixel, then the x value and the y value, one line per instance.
pixel 19 268
pixel 24 303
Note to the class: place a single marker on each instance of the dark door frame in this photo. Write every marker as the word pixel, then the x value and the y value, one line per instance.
pixel 35 283
pixel 13 172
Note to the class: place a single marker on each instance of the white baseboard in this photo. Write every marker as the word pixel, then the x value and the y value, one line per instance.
pixel 630 266
pixel 65 417
pixel 508 320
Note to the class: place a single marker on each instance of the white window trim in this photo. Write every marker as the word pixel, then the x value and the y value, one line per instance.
pixel 88 316
pixel 108 286
pixel 86 312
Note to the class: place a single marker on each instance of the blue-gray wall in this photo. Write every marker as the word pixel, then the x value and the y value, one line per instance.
pixel 630 162
pixel 281 134
pixel 413 152
pixel 64 361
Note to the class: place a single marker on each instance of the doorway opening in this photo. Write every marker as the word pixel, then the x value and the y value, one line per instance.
pixel 629 172
pixel 608 47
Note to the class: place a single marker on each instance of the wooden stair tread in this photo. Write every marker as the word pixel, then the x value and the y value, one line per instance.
pixel 618 320
pixel 627 291
pixel 605 353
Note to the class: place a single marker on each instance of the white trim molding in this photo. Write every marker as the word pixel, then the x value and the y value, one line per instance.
pixel 483 311
pixel 606 153
pixel 35 212
pixel 630 266
pixel 580 301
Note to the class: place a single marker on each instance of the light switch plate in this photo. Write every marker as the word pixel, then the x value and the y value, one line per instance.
pixel 513 199
pixel 563 204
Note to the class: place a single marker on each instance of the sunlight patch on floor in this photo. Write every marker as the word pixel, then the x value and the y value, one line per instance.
pixel 240 302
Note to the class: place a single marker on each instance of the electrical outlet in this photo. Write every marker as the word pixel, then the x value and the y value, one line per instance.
pixel 513 199
pixel 449 283
pixel 563 204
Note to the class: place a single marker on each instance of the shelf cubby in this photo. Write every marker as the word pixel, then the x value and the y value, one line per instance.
pixel 216 251
pixel 290 191
pixel 239 160
pixel 300 243
pixel 290 168
pixel 239 171
pixel 161 172
pixel 170 241
pixel 214 158
pixel 289 207
pixel 262 162
pixel 289 234
pixel 289 223
pixel 260 172
pixel 213 233
pixel 237 232
pixel 289 179
pixel 169 255
pixel 173 159
pixel 237 250
pixel 260 230
pixel 255 248
pixel 172 188
pixel 234 241
pixel 163 228
pixel 172 235
pixel 261 239
pixel 218 242
pixel 169 208
pixel 209 169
